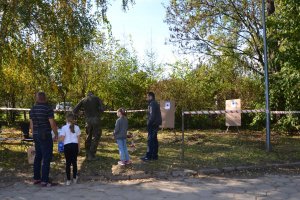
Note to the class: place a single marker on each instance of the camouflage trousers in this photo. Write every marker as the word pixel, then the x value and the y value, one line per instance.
pixel 94 132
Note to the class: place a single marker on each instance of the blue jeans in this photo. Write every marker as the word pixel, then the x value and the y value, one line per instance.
pixel 124 156
pixel 152 142
pixel 43 156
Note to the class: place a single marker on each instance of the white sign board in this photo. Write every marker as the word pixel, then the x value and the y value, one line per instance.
pixel 167 105
pixel 233 119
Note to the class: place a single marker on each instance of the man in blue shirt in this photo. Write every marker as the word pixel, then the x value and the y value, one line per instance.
pixel 41 124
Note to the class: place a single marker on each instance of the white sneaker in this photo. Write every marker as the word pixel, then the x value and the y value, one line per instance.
pixel 122 163
pixel 75 179
pixel 68 182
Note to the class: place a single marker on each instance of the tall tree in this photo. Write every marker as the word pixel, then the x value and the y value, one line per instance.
pixel 44 36
pixel 218 28
pixel 227 28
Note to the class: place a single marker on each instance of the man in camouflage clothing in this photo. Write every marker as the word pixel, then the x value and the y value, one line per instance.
pixel 93 108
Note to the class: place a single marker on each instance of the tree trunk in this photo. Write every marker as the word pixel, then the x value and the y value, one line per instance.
pixel 3 32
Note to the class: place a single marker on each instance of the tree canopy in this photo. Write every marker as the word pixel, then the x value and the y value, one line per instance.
pixel 66 48
pixel 232 29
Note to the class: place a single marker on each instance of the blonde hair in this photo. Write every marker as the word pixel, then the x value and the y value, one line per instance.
pixel 71 119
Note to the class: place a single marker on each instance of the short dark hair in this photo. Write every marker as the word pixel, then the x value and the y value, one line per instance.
pixel 151 94
pixel 40 97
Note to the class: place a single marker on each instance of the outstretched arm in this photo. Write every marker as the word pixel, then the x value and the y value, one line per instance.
pixel 77 107
pixel 102 108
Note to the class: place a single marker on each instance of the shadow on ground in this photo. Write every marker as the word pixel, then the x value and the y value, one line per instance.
pixel 203 149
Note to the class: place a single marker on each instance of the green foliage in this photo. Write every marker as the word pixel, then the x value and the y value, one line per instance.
pixel 207 87
pixel 218 28
pixel 284 53
pixel 231 31
pixel 58 47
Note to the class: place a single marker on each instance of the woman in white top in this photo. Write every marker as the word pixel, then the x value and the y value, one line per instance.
pixel 70 135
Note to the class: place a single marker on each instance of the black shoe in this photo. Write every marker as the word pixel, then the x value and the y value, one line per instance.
pixel 145 159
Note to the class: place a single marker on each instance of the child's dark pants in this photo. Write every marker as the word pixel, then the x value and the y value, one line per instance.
pixel 71 153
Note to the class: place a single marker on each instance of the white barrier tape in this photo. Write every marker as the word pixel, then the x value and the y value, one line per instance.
pixel 27 109
pixel 285 112
pixel 219 112
pixel 55 110
pixel 127 111
pixel 15 109
pixel 205 112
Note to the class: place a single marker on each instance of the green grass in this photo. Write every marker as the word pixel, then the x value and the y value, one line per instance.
pixel 203 149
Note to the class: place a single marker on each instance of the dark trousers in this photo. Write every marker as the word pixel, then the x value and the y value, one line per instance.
pixel 71 153
pixel 94 132
pixel 43 156
pixel 152 143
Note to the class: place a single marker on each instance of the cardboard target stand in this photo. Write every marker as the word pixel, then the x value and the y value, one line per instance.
pixel 167 109
pixel 233 119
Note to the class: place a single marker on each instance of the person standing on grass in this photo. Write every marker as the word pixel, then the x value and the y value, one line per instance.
pixel 120 134
pixel 70 135
pixel 41 123
pixel 153 122
pixel 93 108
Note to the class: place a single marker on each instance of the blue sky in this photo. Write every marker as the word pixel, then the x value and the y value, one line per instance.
pixel 144 23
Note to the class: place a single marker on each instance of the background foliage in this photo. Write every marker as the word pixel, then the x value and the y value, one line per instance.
pixel 65 48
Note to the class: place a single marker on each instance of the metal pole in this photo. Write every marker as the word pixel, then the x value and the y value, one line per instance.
pixel 268 134
pixel 182 137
